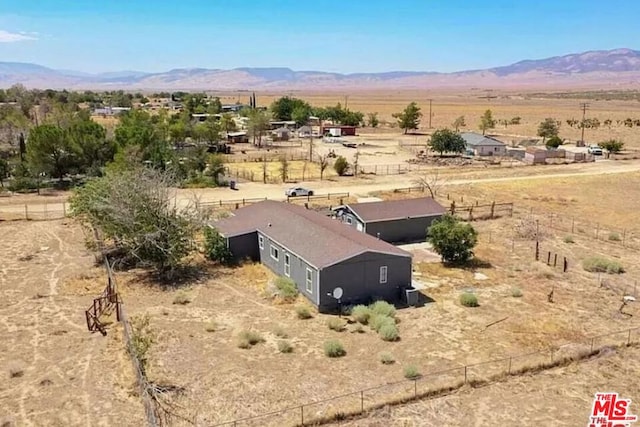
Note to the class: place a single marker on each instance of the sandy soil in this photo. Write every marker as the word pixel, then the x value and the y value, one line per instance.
pixel 54 372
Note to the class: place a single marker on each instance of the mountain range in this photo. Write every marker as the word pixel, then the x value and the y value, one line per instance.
pixel 618 68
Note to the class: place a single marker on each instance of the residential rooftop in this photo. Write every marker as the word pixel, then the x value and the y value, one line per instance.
pixel 390 210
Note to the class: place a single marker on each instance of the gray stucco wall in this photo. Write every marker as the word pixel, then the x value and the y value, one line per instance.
pixel 359 277
pixel 348 218
pixel 297 267
pixel 402 230
pixel 490 150
pixel 244 246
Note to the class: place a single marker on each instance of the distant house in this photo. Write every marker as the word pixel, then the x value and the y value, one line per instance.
pixel 305 132
pixel 281 134
pixel 202 117
pixel 318 253
pixel 110 111
pixel 232 108
pixel 276 124
pixel 237 137
pixel 338 130
pixel 481 145
pixel 393 221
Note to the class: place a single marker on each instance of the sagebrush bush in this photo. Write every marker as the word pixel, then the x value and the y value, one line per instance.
pixel 469 300
pixel 251 337
pixel 387 359
pixel 568 239
pixel 280 332
pixel 334 348
pixel 389 332
pixel 614 237
pixel 382 308
pixel 602 265
pixel 378 321
pixel 516 292
pixel 286 288
pixel 303 312
pixel 182 298
pixel 211 326
pixel 336 324
pixel 411 372
pixel 358 329
pixel 361 314
pixel 284 346
pixel 243 343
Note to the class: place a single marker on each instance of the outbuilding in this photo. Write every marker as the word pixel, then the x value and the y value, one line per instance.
pixel 318 253
pixel 393 221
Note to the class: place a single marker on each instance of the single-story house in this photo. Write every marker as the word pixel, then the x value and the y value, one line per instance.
pixel 393 221
pixel 305 132
pixel 202 117
pixel 482 145
pixel 318 253
pixel 237 137
pixel 281 134
pixel 276 124
pixel 232 108
pixel 338 130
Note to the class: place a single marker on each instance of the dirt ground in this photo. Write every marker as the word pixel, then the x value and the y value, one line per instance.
pixel 54 372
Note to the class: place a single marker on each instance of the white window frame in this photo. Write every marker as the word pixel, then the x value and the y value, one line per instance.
pixel 273 250
pixel 287 265
pixel 383 274
pixel 309 281
pixel 349 220
pixel 261 242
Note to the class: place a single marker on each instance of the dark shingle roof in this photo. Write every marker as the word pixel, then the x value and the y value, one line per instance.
pixel 320 240
pixel 475 139
pixel 397 209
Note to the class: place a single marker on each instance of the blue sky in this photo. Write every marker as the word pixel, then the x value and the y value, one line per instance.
pixel 328 35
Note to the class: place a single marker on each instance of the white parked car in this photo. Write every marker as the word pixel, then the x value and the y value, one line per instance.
pixel 595 150
pixel 298 191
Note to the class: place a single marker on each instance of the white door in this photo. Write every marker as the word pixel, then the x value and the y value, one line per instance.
pixel 359 226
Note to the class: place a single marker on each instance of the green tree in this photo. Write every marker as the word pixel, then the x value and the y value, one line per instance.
pixel 227 123
pixel 50 151
pixel 409 118
pixel 134 212
pixel 548 128
pixel 459 123
pixel 215 167
pixel 341 165
pixel 94 150
pixel 258 125
pixel 301 115
pixel 554 142
pixel 284 168
pixel 452 239
pixel 447 141
pixel 487 121
pixel 372 120
pixel 4 171
pixel 215 246
pixel 283 109
pixel 612 145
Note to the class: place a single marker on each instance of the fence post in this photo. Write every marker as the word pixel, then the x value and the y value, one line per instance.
pixel 624 234
pixel 509 368
pixel 548 257
pixel 64 214
pixel 493 207
pixel 592 340
pixel 242 202
pixel 573 221
pixel 555 259
pixel 302 414
pixel 361 400
pixel 26 211
pixel 565 266
pixel 597 230
pixel 537 250
pixel 415 387
pixel 629 338
pixel 465 374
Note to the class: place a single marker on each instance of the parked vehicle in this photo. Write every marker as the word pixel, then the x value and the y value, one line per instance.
pixel 595 150
pixel 298 191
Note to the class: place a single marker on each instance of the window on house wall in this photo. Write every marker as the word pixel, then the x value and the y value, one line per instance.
pixel 275 253
pixel 383 274
pixel 309 283
pixel 261 242
pixel 349 220
pixel 287 265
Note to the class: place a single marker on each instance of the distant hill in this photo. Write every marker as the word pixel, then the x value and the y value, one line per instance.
pixel 618 68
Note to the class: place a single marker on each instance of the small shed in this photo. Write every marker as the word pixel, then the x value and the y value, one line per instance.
pixel 393 221
pixel 305 132
pixel 338 130
pixel 535 155
pixel 237 137
pixel 281 134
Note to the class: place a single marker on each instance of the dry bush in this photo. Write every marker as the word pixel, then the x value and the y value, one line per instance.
pixel 361 314
pixel 336 324
pixel 528 228
pixel 516 292
pixel 389 332
pixel 283 288
pixel 382 308
pixel 303 312
pixel 15 370
pixel 280 332
pixel 211 326
pixel 378 321
pixel 284 346
pixel 387 359
pixel 602 265
pixel 542 271
pixel 411 372
pixel 247 339
pixel 182 298
pixel 334 348
pixel 468 299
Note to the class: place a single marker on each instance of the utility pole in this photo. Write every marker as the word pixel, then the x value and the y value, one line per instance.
pixel 430 115
pixel 346 100
pixel 584 107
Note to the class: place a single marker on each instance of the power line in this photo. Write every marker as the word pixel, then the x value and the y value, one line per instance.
pixel 584 106
pixel 430 115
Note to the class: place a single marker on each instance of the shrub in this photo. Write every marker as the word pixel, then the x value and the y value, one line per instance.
pixel 614 237
pixel 215 246
pixel 211 326
pixel 182 298
pixel 15 371
pixel 251 337
pixel 303 312
pixel 336 324
pixel 378 321
pixel 341 165
pixel 284 346
pixel 361 314
pixel 469 300
pixel 243 343
pixel 387 359
pixel 602 265
pixel 383 308
pixel 334 348
pixel 358 329
pixel 568 239
pixel 411 372
pixel 516 292
pixel 389 332
pixel 286 289
pixel 280 332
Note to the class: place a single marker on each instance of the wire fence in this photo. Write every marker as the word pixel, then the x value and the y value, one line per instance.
pixel 34 212
pixel 436 383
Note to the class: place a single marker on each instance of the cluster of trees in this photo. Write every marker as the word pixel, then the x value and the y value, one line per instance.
pixel 298 110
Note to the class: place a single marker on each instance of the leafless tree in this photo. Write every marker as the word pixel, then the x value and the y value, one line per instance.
pixel 433 182
pixel 323 162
